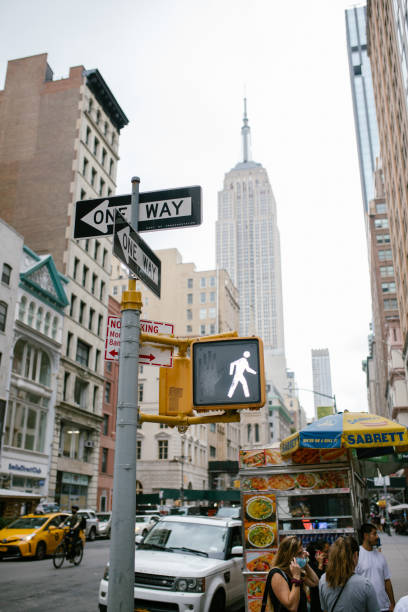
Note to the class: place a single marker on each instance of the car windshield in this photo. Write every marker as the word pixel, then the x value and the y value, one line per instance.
pixel 103 517
pixel 195 538
pixel 142 519
pixel 228 512
pixel 28 522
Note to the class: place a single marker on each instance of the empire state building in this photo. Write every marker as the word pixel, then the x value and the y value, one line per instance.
pixel 248 247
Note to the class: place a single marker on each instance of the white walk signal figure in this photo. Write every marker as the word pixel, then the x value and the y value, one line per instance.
pixel 237 369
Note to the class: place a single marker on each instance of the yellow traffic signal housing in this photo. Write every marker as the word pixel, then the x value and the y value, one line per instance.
pixel 228 374
pixel 175 388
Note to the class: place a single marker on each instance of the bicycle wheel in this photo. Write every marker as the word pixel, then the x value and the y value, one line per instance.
pixel 79 551
pixel 59 555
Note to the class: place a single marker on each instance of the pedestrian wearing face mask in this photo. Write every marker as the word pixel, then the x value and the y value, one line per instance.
pixel 289 573
pixel 341 590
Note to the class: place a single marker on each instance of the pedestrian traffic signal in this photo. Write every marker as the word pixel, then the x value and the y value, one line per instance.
pixel 175 388
pixel 228 374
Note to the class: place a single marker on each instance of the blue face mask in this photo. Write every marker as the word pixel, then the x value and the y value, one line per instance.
pixel 301 561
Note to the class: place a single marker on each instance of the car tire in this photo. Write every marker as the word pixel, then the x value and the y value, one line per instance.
pixel 92 535
pixel 41 551
pixel 218 602
pixel 108 534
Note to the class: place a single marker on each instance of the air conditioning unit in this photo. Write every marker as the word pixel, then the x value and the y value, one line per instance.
pixel 89 444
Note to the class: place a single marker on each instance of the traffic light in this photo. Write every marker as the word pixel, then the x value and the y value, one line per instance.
pixel 175 395
pixel 228 374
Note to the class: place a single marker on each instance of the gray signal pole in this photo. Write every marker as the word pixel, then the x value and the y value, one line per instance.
pixel 122 548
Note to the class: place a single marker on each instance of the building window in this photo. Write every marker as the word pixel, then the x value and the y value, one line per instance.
pixel 115 290
pixel 381 223
pixel 100 320
pixel 69 340
pixel 189 298
pixel 38 323
pixel 105 424
pixel 96 146
pixel 81 393
pixel 213 451
pixel 85 271
pixel 87 135
pixel 249 427
pixel 26 423
pixel 31 310
pixel 101 186
pixel 75 271
pixel 189 314
pixel 110 167
pixel 189 329
pixel 189 283
pixel 212 296
pixel 203 313
pixel 383 238
pixel 47 323
pixel 82 306
pixel 203 281
pixel 163 426
pixel 140 395
pixel 82 353
pixel 105 255
pixel 202 330
pixel 390 305
pixel 212 427
pixel 104 463
pixel 97 359
pixel 72 305
pixel 6 274
pixel 138 449
pixel 256 432
pixel 212 281
pixel 93 285
pixel 163 449
pixel 384 255
pixel 3 316
pixel 212 328
pixel 93 177
pixel 95 398
pixel 109 366
pixel 98 117
pixel 22 308
pixel 102 291
pixel 86 245
pixel 103 156
pixel 387 270
pixel 82 195
pixel 107 392
pixel 202 298
pixel 381 208
pixel 65 389
pixel 84 167
pixel 91 317
pixel 32 363
pixel 54 328
pixel 212 313
pixel 388 287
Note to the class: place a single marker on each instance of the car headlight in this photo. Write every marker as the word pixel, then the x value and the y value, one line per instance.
pixel 190 585
pixel 106 573
pixel 27 538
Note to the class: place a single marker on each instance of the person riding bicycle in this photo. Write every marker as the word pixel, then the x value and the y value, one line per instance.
pixel 75 522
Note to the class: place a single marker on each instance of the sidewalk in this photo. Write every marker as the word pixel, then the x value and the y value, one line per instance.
pixel 395 550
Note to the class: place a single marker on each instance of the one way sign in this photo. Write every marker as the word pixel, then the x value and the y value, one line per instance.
pixel 166 209
pixel 136 254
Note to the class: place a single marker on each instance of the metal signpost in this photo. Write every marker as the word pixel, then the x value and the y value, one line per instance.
pixel 122 549
pixel 158 210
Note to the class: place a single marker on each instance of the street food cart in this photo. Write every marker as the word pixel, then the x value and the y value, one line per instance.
pixel 310 488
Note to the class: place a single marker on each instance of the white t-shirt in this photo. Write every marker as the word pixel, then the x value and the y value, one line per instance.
pixel 402 605
pixel 372 565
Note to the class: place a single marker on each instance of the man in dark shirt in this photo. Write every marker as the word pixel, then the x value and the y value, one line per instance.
pixel 74 522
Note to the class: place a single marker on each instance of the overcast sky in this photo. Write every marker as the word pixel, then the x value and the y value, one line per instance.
pixel 179 69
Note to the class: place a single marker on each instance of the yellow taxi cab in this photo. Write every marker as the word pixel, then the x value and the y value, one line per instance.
pixel 33 535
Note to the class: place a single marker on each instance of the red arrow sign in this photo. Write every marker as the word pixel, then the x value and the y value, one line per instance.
pixel 113 353
pixel 151 357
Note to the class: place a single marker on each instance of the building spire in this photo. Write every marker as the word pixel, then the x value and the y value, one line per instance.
pixel 246 136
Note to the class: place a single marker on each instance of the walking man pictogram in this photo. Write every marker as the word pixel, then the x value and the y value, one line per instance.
pixel 237 369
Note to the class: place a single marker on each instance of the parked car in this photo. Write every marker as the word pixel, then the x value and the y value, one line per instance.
pixel 32 535
pixel 47 507
pixel 187 563
pixel 91 529
pixel 144 523
pixel 104 524
pixel 229 511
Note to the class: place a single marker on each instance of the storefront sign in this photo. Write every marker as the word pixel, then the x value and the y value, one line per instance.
pixel 23 468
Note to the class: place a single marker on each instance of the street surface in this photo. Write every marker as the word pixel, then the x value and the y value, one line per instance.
pixel 27 586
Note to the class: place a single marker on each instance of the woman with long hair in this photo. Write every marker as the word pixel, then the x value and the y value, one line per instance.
pixel 340 588
pixel 290 571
